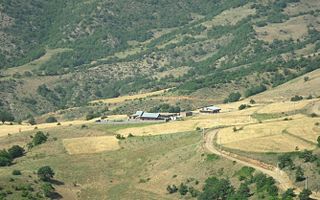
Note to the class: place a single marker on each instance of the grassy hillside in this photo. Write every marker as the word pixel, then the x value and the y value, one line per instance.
pixel 205 50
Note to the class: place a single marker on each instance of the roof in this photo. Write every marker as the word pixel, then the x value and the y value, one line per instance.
pixel 150 115
pixel 138 113
pixel 212 108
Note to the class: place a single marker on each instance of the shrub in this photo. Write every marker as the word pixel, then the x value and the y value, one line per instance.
pixel 306 78
pixel 16 172
pixel 242 106
pixel 285 161
pixel 233 97
pixel 299 174
pixel 51 119
pixel 305 194
pixel 6 116
pixel 313 115
pixel 47 189
pixel 5 161
pixel 296 98
pixel 39 138
pixel 45 173
pixel 120 137
pixel 252 101
pixel 318 140
pixel 16 151
pixel 32 121
pixel 183 189
pixel 172 189
pixel 307 156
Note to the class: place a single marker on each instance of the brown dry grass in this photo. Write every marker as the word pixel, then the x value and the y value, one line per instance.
pixel 294 87
pixel 230 17
pixel 273 136
pixel 12 129
pixel 286 106
pixel 88 145
pixel 294 28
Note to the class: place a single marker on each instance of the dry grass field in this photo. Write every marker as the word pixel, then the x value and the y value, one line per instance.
pixel 272 136
pixel 17 128
pixel 302 6
pixel 230 17
pixel 294 87
pixel 129 97
pixel 87 145
pixel 286 106
pixel 295 28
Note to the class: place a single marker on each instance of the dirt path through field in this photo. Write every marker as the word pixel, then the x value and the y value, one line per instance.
pixel 280 176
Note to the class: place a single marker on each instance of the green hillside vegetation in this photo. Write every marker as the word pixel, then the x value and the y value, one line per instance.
pixel 121 47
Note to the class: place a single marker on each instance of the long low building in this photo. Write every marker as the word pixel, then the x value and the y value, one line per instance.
pixel 210 109
pixel 153 116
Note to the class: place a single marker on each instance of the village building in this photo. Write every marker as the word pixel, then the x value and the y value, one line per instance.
pixel 210 109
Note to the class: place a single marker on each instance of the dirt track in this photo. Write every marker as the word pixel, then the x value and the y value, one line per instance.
pixel 280 176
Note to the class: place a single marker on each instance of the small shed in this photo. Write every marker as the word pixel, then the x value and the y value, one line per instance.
pixel 210 109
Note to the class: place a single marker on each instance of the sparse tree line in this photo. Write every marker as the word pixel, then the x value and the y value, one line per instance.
pixel 45 173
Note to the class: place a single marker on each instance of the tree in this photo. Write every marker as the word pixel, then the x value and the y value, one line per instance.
pixel 285 161
pixel 244 190
pixel 299 174
pixel 318 140
pixel 288 195
pixel 51 119
pixel 32 121
pixel 47 189
pixel 242 106
pixel 183 189
pixel 16 151
pixel 5 161
pixel 45 173
pixel 233 97
pixel 39 138
pixel 6 116
pixel 305 194
pixel 216 189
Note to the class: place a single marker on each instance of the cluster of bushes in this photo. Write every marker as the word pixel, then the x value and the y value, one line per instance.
pixel 7 156
pixel 233 97
pixel 255 90
pixel 297 98
pixel 243 106
pixel 6 116
pixel 165 108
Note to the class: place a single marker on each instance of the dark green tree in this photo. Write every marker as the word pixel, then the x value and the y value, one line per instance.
pixel 299 174
pixel 183 189
pixel 305 194
pixel 47 189
pixel 51 119
pixel 45 173
pixel 216 189
pixel 16 151
pixel 6 116
pixel 288 195
pixel 39 138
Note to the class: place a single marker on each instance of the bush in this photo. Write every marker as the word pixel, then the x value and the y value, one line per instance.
pixel 306 78
pixel 51 119
pixel 313 115
pixel 32 121
pixel 6 116
pixel 172 189
pixel 47 189
pixel 255 90
pixel 233 97
pixel 252 101
pixel 299 174
pixel 16 151
pixel 183 189
pixel 242 106
pixel 16 172
pixel 296 98
pixel 120 137
pixel 285 161
pixel 307 156
pixel 5 161
pixel 39 138
pixel 45 173
pixel 92 116
pixel 305 194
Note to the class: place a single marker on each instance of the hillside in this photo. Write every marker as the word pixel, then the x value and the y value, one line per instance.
pixel 103 49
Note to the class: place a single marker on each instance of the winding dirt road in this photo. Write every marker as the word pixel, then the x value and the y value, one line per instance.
pixel 280 176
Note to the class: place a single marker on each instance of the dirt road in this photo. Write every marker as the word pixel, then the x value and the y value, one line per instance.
pixel 280 176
